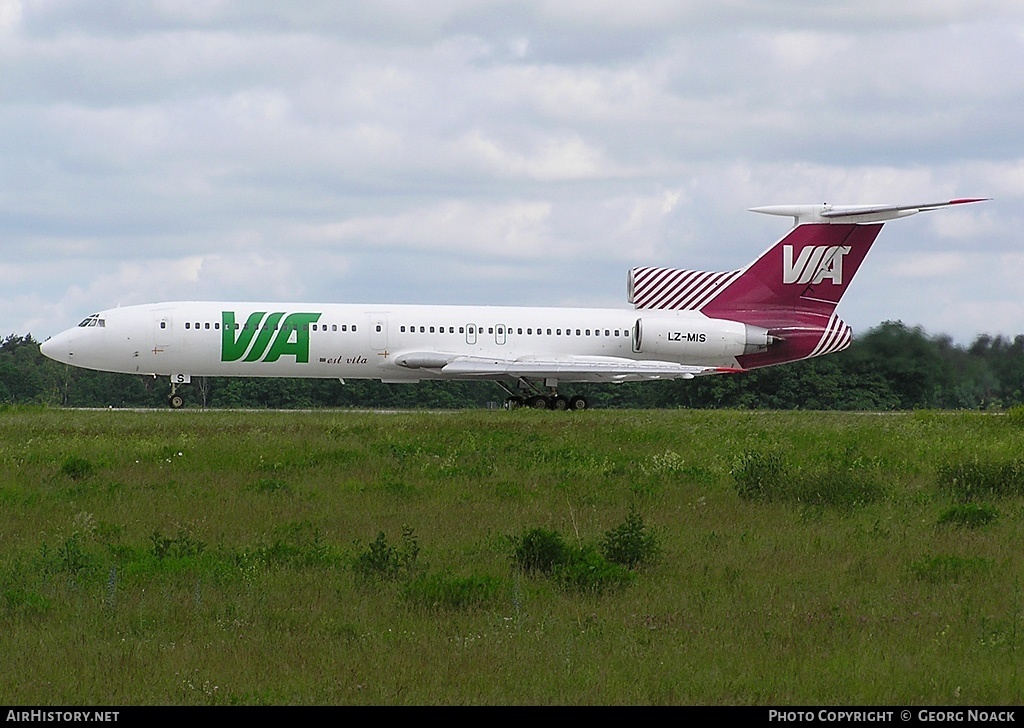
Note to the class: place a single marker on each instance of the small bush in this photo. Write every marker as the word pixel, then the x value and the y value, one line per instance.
pixel 540 549
pixel 1015 415
pixel 760 476
pixel 837 488
pixel 438 591
pixel 181 546
pixel 296 545
pixel 968 515
pixel 72 558
pixel 980 479
pixel 24 602
pixel 76 468
pixel 585 569
pixel 588 571
pixel 382 560
pixel 944 569
pixel 630 544
pixel 765 476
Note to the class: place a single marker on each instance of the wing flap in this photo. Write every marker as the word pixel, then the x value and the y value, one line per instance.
pixel 578 369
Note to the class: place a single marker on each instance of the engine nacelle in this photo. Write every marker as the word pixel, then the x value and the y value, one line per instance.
pixel 697 339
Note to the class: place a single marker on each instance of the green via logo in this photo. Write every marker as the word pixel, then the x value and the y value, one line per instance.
pixel 265 337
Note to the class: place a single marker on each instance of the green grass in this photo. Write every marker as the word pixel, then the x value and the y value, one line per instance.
pixel 358 558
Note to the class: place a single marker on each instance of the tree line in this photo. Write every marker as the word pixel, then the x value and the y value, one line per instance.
pixel 891 367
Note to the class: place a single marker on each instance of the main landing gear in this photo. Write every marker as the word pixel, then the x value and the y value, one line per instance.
pixel 553 402
pixel 529 396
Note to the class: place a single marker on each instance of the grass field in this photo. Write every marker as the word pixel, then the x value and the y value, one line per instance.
pixel 795 558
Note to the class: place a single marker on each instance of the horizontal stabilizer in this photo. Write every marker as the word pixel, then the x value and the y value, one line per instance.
pixel 826 213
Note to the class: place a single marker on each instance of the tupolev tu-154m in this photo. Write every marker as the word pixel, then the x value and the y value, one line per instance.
pixel 684 324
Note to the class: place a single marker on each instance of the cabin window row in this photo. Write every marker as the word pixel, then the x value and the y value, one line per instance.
pixel 189 325
pixel 502 331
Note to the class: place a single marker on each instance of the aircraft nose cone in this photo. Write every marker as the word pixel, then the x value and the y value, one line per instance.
pixel 58 348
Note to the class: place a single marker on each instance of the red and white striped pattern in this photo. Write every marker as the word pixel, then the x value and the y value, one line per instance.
pixel 836 337
pixel 677 289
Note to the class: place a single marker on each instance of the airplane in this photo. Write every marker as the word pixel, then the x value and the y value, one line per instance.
pixel 684 324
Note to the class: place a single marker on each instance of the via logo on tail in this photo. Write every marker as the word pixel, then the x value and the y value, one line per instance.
pixel 265 337
pixel 814 264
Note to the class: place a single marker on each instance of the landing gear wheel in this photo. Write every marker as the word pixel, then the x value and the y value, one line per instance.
pixel 537 402
pixel 578 402
pixel 514 403
pixel 176 401
pixel 560 403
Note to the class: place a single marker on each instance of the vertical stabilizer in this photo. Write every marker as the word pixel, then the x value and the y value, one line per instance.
pixel 792 290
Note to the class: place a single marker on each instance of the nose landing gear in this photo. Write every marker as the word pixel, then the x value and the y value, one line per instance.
pixel 175 400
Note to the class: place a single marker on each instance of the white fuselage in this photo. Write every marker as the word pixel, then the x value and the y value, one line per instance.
pixel 386 342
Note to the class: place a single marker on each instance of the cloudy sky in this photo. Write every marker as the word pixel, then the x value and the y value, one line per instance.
pixel 524 153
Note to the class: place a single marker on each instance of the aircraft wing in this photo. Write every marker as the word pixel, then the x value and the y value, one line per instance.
pixel 569 368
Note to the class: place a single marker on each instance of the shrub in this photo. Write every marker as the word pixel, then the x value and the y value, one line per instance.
pixel 297 545
pixel 760 476
pixel 76 468
pixel 838 488
pixel 583 569
pixel 1015 415
pixel 72 557
pixel 630 544
pixel 540 549
pixel 976 478
pixel 588 571
pixel 765 476
pixel 181 546
pixel 383 560
pixel 969 515
pixel 440 591
pixel 942 569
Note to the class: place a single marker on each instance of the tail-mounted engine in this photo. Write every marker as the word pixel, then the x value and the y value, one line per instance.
pixel 698 338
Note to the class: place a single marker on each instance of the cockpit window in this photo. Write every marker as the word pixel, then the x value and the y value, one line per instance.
pixel 93 321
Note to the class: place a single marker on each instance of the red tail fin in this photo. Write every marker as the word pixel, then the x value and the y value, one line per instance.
pixel 807 271
pixel 792 290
